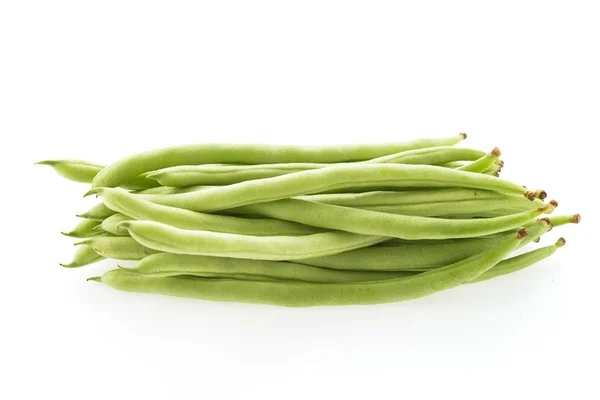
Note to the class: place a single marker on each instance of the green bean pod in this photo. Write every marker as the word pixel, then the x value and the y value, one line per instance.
pixel 520 262
pixel 111 224
pixel 429 156
pixel 133 166
pixel 137 208
pixel 302 294
pixel 84 255
pixel 514 204
pixel 393 198
pixel 74 170
pixel 483 163
pixel 166 238
pixel 99 212
pixel 367 222
pixel 332 178
pixel 85 172
pixel 166 264
pixel 118 247
pixel 421 255
pixel 559 220
pixel 84 229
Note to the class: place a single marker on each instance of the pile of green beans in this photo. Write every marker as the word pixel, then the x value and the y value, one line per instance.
pixel 308 226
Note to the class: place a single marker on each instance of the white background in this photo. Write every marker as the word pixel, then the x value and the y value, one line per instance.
pixel 101 80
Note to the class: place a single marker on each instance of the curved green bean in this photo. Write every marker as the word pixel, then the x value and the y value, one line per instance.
pixel 130 167
pixel 512 204
pixel 99 212
pixel 84 229
pixel 429 156
pixel 559 220
pixel 483 163
pixel 166 238
pixel 165 264
pixel 367 222
pixel 421 255
pixel 84 255
pixel 136 207
pixel 332 178
pixel 302 294
pixel 85 172
pixel 111 224
pixel 74 170
pixel 118 247
pixel 383 198
pixel 520 262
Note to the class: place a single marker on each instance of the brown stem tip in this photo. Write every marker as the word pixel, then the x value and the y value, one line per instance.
pixel 496 174
pixel 530 195
pixel 547 221
pixel 549 207
pixel 536 240
pixel 464 135
pixel 576 218
pixel 541 194
pixel 496 152
pixel 501 163
pixel 561 242
pixel 522 234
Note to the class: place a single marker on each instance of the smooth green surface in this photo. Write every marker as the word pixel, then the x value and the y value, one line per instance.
pixel 84 255
pixel 166 238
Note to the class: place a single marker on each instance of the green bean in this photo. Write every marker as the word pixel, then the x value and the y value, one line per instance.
pixel 333 178
pixel 430 156
pixel 383 198
pixel 84 255
pixel 513 204
pixel 135 207
pixel 99 212
pixel 454 164
pixel 186 175
pixel 130 167
pixel 111 224
pixel 559 220
pixel 302 294
pixel 165 264
pixel 483 163
pixel 493 170
pixel 74 170
pixel 171 190
pixel 367 222
pixel 85 172
pixel 421 255
pixel 84 229
pixel 520 262
pixel 166 238
pixel 118 247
